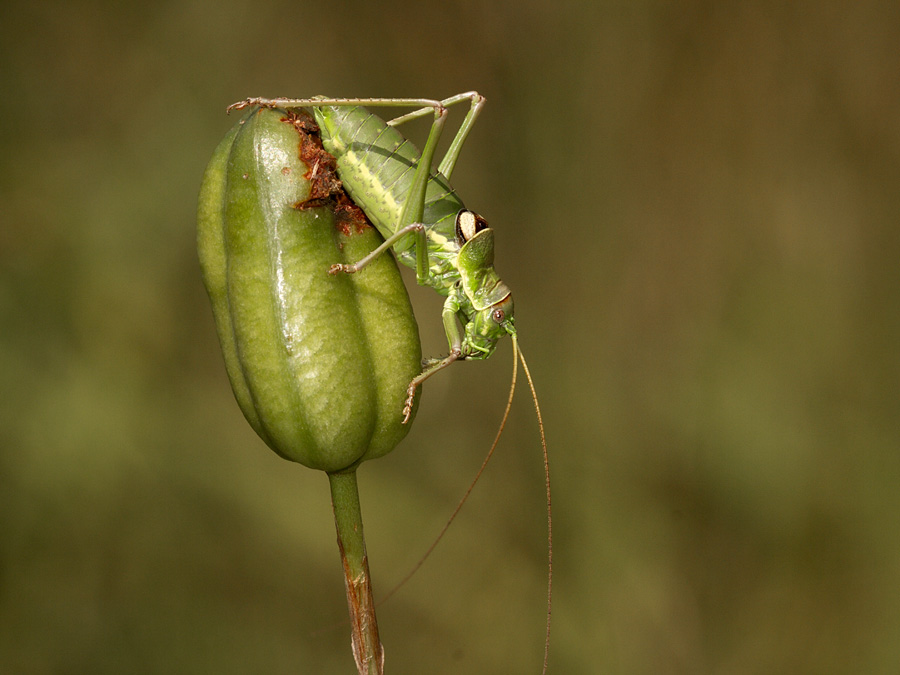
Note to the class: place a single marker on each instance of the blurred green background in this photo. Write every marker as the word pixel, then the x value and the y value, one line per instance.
pixel 697 207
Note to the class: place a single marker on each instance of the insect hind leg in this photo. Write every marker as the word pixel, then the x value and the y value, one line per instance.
pixel 425 104
pixel 476 103
pixel 424 107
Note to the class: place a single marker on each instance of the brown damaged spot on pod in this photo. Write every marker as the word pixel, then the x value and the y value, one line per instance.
pixel 324 183
pixel 349 217
pixel 325 186
pixel 319 364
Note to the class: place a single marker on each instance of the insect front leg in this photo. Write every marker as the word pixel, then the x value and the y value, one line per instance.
pixel 454 337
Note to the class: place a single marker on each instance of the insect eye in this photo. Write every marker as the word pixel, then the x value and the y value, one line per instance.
pixel 498 315
pixel 468 224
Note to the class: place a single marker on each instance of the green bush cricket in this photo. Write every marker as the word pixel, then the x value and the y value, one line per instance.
pixel 426 225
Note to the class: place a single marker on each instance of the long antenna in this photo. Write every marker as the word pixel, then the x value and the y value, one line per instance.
pixel 490 453
pixel 537 410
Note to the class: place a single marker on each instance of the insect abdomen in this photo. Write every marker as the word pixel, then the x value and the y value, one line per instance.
pixel 377 166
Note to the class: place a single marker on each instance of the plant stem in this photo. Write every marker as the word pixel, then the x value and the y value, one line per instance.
pixel 367 649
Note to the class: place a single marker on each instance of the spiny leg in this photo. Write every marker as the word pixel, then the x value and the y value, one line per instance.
pixel 419 379
pixel 350 268
pixel 471 96
pixel 476 103
pixel 454 338
pixel 424 103
pixel 449 162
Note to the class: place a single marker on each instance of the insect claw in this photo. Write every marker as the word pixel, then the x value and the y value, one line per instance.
pixel 337 268
pixel 410 398
pixel 248 102
pixel 240 105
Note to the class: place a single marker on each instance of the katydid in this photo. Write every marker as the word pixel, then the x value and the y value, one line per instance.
pixel 424 222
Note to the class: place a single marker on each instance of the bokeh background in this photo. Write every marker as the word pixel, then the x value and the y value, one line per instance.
pixel 697 206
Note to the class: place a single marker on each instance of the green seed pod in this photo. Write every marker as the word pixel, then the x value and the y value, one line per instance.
pixel 319 363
